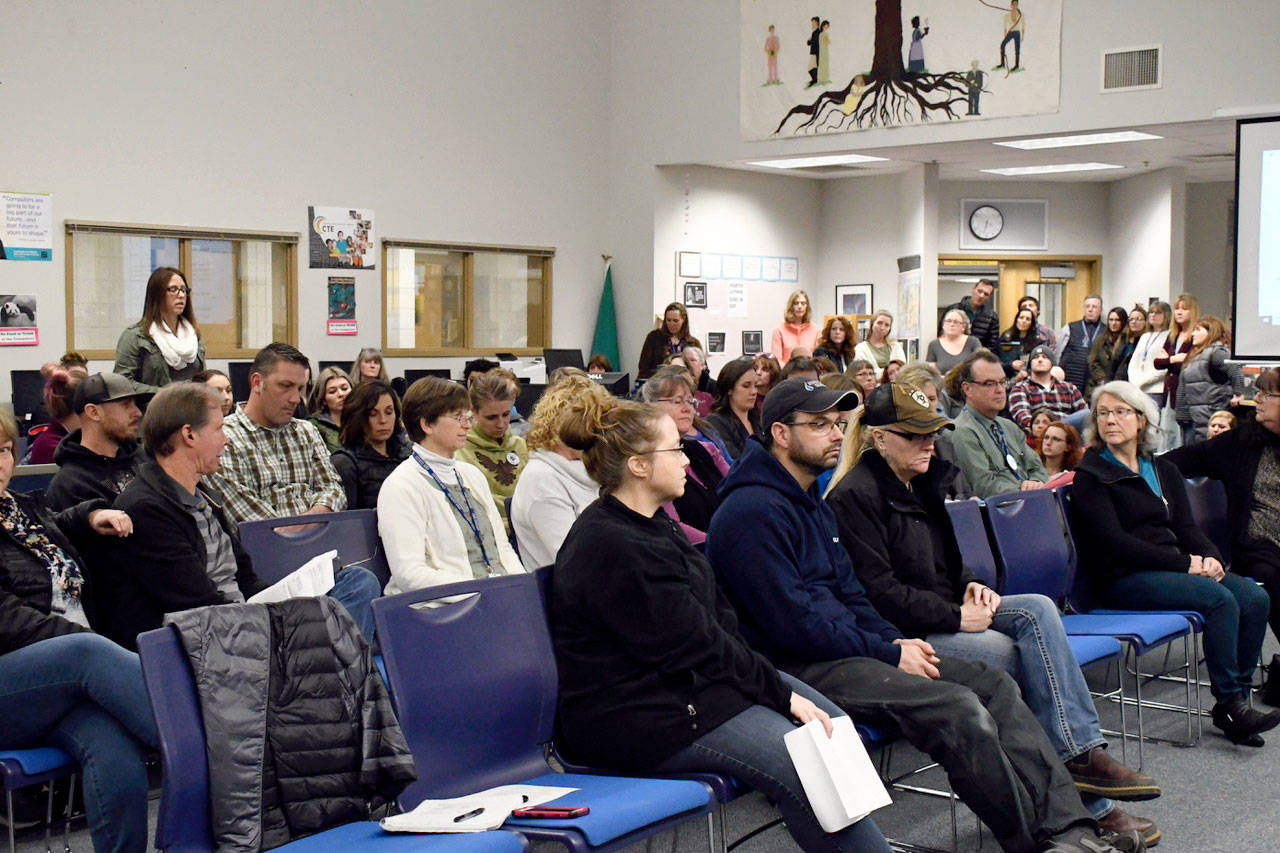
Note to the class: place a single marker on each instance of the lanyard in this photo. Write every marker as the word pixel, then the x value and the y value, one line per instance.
pixel 469 518
pixel 997 436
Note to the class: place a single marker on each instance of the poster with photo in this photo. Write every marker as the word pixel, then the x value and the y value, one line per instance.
pixel 752 343
pixel 342 305
pixel 18 321
pixel 341 237
pixel 715 342
pixel 695 294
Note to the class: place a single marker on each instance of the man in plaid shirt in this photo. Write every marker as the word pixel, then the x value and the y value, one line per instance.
pixel 274 464
pixel 1041 391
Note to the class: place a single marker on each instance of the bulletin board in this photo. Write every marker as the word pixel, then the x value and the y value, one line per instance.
pixel 729 294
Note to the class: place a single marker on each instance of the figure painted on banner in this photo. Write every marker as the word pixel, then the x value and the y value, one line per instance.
pixel 814 37
pixel 974 77
pixel 856 89
pixel 1014 30
pixel 824 54
pixel 915 56
pixel 772 45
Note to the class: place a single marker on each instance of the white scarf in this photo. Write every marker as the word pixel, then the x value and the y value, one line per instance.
pixel 178 348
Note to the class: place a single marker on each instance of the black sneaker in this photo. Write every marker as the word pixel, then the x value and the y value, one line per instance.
pixel 1240 723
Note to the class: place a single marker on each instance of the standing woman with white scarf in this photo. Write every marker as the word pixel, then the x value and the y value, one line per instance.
pixel 165 345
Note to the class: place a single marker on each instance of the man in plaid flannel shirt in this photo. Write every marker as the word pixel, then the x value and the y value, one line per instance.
pixel 1041 391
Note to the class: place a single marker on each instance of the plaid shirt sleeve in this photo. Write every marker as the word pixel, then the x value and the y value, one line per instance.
pixel 1022 402
pixel 327 485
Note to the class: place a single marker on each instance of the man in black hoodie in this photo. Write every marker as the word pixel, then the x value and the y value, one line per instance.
pixel 102 457
pixel 776 551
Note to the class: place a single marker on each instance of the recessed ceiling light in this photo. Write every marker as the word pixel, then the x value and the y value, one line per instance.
pixel 823 160
pixel 1081 139
pixel 1052 169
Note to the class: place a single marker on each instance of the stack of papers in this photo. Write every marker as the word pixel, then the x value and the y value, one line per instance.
pixel 473 813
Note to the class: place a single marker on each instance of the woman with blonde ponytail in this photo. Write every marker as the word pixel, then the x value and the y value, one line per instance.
pixel 654 674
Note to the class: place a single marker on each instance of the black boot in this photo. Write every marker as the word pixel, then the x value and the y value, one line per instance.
pixel 1240 723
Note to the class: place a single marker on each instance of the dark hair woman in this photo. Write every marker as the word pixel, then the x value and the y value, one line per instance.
pixel 1144 551
pixel 372 442
pixel 1017 342
pixel 1104 349
pixel 328 394
pixel 60 684
pixel 654 674
pixel 836 342
pixel 59 389
pixel 1135 327
pixel 165 345
pixel 671 336
pixel 220 382
pixel 733 415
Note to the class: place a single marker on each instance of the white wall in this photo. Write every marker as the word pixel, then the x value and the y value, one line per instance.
pixel 1210 252
pixel 1143 259
pixel 483 121
pixel 861 237
pixel 734 212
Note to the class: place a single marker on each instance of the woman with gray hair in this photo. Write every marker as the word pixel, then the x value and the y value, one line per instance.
pixel 955 343
pixel 1144 551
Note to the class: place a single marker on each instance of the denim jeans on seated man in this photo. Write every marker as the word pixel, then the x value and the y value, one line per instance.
pixel 355 588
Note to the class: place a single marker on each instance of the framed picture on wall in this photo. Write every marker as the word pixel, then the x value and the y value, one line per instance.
pixel 752 343
pixel 862 326
pixel 854 298
pixel 715 342
pixel 695 294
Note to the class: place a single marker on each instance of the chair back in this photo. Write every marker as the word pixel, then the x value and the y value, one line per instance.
pixel 971 536
pixel 1208 499
pixel 183 823
pixel 353 534
pixel 473 676
pixel 1030 540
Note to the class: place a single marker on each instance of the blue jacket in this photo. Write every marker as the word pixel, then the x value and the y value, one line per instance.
pixel 777 554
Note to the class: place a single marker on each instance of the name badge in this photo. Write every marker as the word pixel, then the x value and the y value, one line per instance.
pixel 513 458
pixel 1013 463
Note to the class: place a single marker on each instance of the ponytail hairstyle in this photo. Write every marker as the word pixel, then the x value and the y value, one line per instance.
pixel 58 391
pixel 496 384
pixel 1218 334
pixel 857 441
pixel 609 432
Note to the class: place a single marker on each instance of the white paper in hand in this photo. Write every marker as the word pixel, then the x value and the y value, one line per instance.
pixel 314 577
pixel 836 772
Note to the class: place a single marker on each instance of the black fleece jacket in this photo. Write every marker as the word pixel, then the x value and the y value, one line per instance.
pixel 161 568
pixel 83 474
pixel 902 545
pixel 1121 526
pixel 648 649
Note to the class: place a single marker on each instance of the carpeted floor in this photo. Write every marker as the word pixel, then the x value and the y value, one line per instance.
pixel 1217 797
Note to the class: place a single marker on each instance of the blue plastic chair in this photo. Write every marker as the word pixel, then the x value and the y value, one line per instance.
pixel 184 826
pixel 24 768
pixel 353 534
pixel 1033 541
pixel 473 677
pixel 971 536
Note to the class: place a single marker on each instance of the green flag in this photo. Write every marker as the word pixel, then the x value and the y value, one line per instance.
pixel 605 341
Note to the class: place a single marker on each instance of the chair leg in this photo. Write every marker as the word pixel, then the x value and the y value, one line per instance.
pixel 1137 693
pixel 48 821
pixel 724 827
pixel 8 801
pixel 1124 722
pixel 66 826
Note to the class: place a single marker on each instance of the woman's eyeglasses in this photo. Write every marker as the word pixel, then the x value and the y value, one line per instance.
pixel 174 290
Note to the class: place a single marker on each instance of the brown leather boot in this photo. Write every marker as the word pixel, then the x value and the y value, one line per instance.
pixel 1096 772
pixel 1121 823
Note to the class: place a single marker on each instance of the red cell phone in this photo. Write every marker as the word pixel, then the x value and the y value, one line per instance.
pixel 551 812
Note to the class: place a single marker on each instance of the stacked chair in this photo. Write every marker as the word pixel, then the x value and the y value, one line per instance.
pixel 26 768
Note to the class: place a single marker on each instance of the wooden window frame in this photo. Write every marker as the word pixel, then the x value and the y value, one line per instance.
pixel 468 251
pixel 184 235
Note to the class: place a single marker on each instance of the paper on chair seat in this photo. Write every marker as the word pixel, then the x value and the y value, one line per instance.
pixel 312 578
pixel 481 811
pixel 836 772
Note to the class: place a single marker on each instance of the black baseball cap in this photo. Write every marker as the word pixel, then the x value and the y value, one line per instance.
pixel 802 395
pixel 903 407
pixel 104 388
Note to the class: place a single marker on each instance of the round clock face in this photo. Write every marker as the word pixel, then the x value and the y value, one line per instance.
pixel 986 222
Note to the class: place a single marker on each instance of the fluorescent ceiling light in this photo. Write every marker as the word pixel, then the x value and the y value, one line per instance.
pixel 823 160
pixel 1052 169
pixel 1081 139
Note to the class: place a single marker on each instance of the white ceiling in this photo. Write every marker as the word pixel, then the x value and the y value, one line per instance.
pixel 1205 149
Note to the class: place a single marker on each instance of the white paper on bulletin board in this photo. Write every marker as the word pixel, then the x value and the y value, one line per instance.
pixel 736 297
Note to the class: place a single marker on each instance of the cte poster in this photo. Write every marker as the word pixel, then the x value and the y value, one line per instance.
pixel 341 237
pixel 26 227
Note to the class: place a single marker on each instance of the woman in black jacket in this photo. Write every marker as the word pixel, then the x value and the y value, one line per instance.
pixel 1145 552
pixel 372 442
pixel 60 684
pixel 654 675
pixel 1247 461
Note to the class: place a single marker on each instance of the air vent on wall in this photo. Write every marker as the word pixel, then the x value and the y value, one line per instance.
pixel 1131 68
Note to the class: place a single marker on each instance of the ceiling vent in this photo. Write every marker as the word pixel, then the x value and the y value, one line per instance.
pixel 1132 68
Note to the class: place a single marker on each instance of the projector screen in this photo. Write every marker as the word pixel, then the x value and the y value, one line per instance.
pixel 1256 312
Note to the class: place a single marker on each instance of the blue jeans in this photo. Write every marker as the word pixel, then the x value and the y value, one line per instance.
pixel 1235 619
pixel 1078 419
pixel 750 747
pixel 84 694
pixel 355 588
pixel 1026 640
